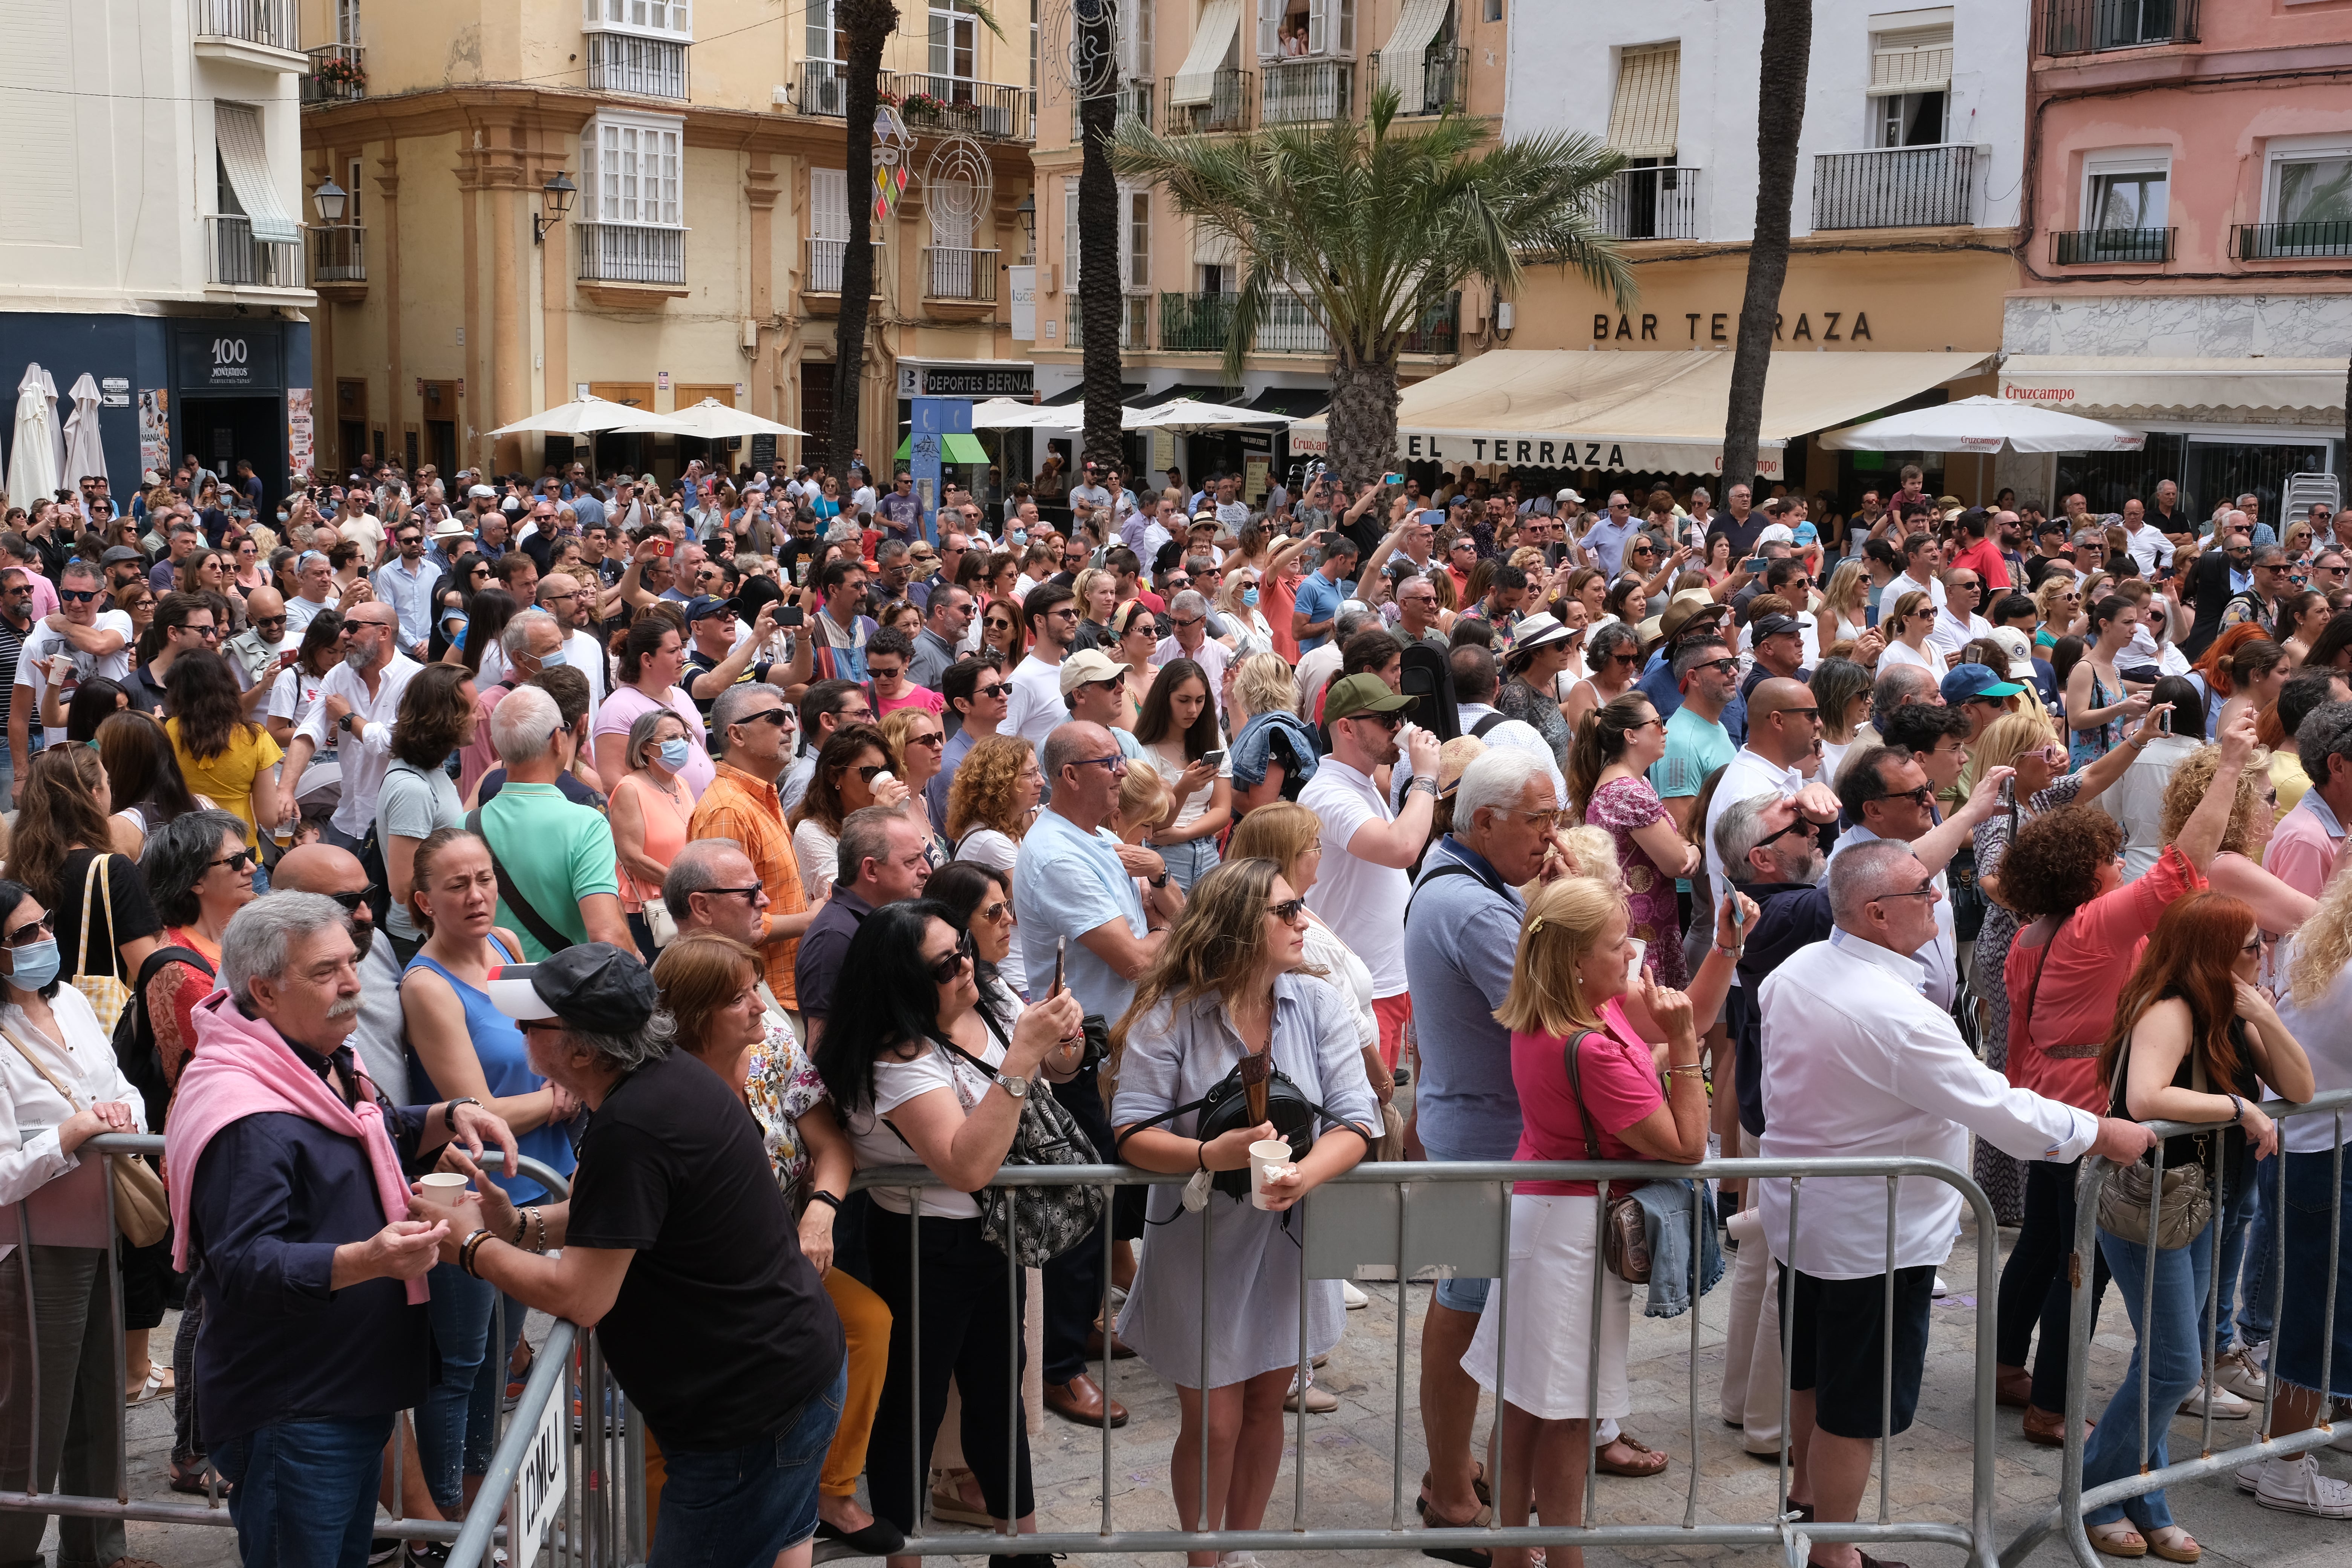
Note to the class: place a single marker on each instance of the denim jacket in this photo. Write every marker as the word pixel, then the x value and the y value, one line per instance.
pixel 1253 745
pixel 1667 1214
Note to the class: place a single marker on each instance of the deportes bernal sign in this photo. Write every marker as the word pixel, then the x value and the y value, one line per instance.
pixel 1563 450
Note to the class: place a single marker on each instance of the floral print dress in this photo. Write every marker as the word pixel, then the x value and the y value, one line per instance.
pixel 779 1084
pixel 1622 806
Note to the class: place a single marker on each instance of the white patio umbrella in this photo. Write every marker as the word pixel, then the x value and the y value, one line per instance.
pixel 1984 424
pixel 587 416
pixel 32 455
pixel 85 450
pixel 1007 414
pixel 709 419
pixel 1190 416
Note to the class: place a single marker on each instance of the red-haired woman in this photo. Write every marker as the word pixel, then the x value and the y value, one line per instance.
pixel 2243 669
pixel 2194 1040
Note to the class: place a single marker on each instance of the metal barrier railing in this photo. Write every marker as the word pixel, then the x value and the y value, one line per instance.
pixel 77 1209
pixel 2073 1502
pixel 1413 1216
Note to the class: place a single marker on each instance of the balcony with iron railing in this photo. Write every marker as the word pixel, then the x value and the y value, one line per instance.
pixel 338 260
pixel 2311 239
pixel 824 88
pixel 2094 26
pixel 640 253
pixel 962 275
pixel 1133 100
pixel 939 105
pixel 1287 327
pixel 266 33
pixel 338 74
pixel 1134 323
pixel 1202 323
pixel 234 259
pixel 1442 72
pixel 826 257
pixel 2099 247
pixel 1659 203
pixel 1895 187
pixel 624 62
pixel 1226 108
pixel 1300 92
pixel 1439 329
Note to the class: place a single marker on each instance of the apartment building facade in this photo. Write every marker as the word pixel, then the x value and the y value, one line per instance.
pixel 1219 67
pixel 154 158
pixel 2187 247
pixel 646 200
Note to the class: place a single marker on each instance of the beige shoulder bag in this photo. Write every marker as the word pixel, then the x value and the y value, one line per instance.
pixel 142 1211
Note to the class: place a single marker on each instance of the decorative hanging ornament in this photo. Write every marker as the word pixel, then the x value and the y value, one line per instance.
pixel 893 146
pixel 1079 46
pixel 958 183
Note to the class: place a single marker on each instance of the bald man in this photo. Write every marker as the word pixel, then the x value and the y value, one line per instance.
pixel 322 868
pixel 1781 754
pixel 256 654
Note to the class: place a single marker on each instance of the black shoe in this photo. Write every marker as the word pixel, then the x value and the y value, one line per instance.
pixel 384 1549
pixel 1024 1560
pixel 427 1553
pixel 880 1539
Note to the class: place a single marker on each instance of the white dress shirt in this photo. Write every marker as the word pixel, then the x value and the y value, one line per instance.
pixel 2148 547
pixel 1858 1063
pixel 1747 775
pixel 366 756
pixel 1939 958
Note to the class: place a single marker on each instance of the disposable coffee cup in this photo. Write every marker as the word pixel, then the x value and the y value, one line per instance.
pixel 1267 1155
pixel 444 1185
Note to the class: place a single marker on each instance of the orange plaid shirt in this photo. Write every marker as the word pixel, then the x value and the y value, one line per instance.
pixel 747 809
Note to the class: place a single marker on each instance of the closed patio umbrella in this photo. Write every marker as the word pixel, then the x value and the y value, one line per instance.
pixel 33 454
pixel 85 449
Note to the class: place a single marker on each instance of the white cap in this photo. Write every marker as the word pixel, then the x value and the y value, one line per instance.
pixel 1776 534
pixel 1570 495
pixel 481 492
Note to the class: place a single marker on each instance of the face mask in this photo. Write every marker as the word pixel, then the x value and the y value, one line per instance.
pixel 1249 598
pixel 555 660
pixel 281 518
pixel 674 754
pixel 36 965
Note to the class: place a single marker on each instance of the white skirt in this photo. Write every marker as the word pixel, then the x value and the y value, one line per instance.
pixel 1555 1255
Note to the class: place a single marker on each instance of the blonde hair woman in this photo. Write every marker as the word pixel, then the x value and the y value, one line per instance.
pixel 1259 688
pixel 1845 606
pixel 2059 602
pixel 1588 1089
pixel 989 806
pixel 1238 602
pixel 2237 868
pixel 1096 593
pixel 1905 629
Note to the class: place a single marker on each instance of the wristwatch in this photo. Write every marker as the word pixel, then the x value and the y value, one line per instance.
pixel 1018 1087
pixel 344 723
pixel 1159 881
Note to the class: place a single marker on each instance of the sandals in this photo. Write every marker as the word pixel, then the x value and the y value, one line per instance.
pixel 1651 1461
pixel 2174 1545
pixel 1478 1487
pixel 160 1385
pixel 201 1482
pixel 948 1502
pixel 2118 1538
pixel 1465 1556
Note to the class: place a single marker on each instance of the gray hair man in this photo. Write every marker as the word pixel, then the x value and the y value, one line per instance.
pixel 1887 794
pixel 1858 1062
pixel 285 1166
pixel 1187 619
pixel 2308 841
pixel 532 641
pixel 558 857
pixel 881 859
pixel 359 699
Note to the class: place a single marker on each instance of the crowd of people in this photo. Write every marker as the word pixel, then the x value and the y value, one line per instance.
pixel 706 843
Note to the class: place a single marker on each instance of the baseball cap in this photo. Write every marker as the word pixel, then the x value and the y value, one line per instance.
pixel 481 492
pixel 1087 666
pixel 1773 626
pixel 1968 680
pixel 2014 642
pixel 591 985
pixel 1354 694
pixel 1569 494
pixel 2048 525
pixel 702 606
pixel 1806 533
pixel 1775 533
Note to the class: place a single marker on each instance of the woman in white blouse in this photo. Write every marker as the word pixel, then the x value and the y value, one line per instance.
pixel 1907 628
pixel 59 1087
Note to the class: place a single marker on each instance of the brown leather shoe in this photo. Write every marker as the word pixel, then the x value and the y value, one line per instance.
pixel 1119 1349
pixel 2012 1386
pixel 1081 1400
pixel 2048 1428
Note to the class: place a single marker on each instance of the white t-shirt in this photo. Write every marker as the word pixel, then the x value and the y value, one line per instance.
pixel 873 1141
pixel 300 612
pixel 33 665
pixel 1932 660
pixel 1362 903
pixel 1168 756
pixel 1346 971
pixel 1034 705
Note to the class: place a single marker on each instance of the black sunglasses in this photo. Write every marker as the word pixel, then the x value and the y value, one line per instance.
pixel 993 691
pixel 351 901
pixel 45 926
pixel 1799 825
pixel 1289 911
pixel 236 862
pixel 952 965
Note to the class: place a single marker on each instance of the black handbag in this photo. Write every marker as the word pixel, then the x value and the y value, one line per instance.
pixel 1036 1224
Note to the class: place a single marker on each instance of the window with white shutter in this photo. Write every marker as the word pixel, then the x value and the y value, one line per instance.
pixel 1646 114
pixel 1070 233
pixel 828 204
pixel 1134 24
pixel 671 19
pixel 1135 237
pixel 1269 29
pixel 1910 59
pixel 635 169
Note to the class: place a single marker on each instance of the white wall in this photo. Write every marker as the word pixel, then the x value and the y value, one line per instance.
pixel 1721 97
pixel 106 131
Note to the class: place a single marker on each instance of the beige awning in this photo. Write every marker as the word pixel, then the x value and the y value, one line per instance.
pixel 2133 390
pixel 1645 113
pixel 1195 81
pixel 1571 408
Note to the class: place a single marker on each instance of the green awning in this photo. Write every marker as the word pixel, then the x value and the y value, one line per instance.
pixel 953 449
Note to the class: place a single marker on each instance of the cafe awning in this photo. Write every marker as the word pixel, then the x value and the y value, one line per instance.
pixel 1567 409
pixel 2135 390
pixel 954 448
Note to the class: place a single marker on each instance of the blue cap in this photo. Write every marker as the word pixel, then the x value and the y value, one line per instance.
pixel 1807 533
pixel 703 606
pixel 1971 680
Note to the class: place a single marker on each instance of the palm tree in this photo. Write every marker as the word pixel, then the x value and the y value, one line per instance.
pixel 1101 296
pixel 1369 227
pixel 1787 44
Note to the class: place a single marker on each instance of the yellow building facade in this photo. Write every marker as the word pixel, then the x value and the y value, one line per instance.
pixel 701 254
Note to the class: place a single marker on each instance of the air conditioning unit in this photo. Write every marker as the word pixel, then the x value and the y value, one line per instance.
pixel 779 96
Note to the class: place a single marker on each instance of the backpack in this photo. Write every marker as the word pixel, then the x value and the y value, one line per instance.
pixel 135 1052
pixel 1428 676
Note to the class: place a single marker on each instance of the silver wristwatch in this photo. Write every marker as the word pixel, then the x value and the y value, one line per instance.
pixel 1018 1087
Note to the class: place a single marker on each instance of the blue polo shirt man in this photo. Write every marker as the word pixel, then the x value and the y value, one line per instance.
pixel 1322 591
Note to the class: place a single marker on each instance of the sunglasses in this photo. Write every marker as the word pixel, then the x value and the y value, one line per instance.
pixel 1289 912
pixel 779 717
pixel 78 595
pixel 351 901
pixel 952 965
pixel 993 691
pixel 1799 825
pixel 933 739
pixel 34 932
pixel 994 913
pixel 1390 721
pixel 236 862
pixel 1922 798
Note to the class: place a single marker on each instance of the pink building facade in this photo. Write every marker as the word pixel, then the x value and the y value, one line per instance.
pixel 2186 245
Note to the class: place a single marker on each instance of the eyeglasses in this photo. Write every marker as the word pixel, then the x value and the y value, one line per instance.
pixel 1926 891
pixel 1722 666
pixel 993 691
pixel 1922 798
pixel 34 932
pixel 210 633
pixel 1290 912
pixel 1114 764
pixel 779 717
pixel 350 901
pixel 885 671
pixel 747 894
pixel 2252 949
pixel 236 862
pixel 946 968
pixel 1799 825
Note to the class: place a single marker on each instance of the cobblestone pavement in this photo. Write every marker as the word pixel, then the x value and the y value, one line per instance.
pixel 1351 1454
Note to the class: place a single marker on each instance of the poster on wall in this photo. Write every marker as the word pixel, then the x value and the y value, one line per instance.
pixel 1253 468
pixel 155 429
pixel 298 434
pixel 1023 281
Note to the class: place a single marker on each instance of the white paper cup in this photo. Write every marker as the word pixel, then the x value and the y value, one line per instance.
pixel 1267 1155
pixel 443 1185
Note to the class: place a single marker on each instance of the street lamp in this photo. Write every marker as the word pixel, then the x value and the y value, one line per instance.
pixel 1026 216
pixel 329 198
pixel 556 198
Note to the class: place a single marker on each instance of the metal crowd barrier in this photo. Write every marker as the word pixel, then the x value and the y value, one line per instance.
pixel 78 1210
pixel 2066 1514
pixel 1413 1216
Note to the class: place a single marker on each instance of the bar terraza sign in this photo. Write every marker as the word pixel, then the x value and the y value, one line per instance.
pixel 1566 451
pixel 1644 327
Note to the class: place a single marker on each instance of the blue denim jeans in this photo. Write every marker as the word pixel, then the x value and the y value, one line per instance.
pixel 744 1505
pixel 306 1491
pixel 2236 1218
pixel 2170 1354
pixel 1190 861
pixel 455 1423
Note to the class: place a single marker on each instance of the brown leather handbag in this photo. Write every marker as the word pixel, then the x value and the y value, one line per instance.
pixel 1625 1230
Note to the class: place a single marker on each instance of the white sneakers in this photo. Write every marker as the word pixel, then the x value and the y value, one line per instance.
pixel 2296 1486
pixel 1357 1301
pixel 1236 1560
pixel 2227 1406
pixel 2241 1375
pixel 1940 1289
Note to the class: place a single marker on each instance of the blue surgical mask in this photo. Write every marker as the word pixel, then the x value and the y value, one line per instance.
pixel 1249 598
pixel 555 660
pixel 673 753
pixel 35 964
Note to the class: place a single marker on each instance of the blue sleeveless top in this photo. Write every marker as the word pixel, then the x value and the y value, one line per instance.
pixel 506 1068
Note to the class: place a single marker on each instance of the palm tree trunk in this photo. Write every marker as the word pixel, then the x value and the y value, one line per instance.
pixel 1362 421
pixel 868 25
pixel 1101 293
pixel 1787 44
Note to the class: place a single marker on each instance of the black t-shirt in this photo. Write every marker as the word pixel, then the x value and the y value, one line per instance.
pixel 120 911
pixel 721 1329
pixel 1743 535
